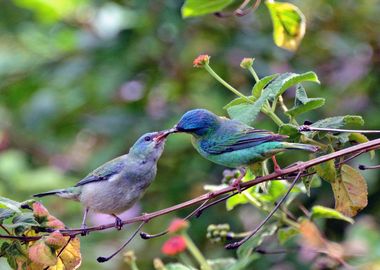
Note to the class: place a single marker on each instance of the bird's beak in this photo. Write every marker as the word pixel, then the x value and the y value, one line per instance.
pixel 163 134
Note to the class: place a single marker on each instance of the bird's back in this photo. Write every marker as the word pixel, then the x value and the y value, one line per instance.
pixel 234 144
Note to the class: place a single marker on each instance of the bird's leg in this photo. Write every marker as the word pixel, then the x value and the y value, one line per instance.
pixel 83 226
pixel 118 222
pixel 236 183
pixel 277 168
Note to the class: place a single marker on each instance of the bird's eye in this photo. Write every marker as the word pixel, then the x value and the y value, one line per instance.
pixel 147 138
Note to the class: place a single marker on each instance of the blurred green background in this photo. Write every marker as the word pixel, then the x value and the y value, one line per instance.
pixel 80 80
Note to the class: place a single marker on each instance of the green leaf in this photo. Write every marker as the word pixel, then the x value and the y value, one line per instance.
pixel 245 113
pixel 178 266
pixel 360 138
pixel 247 248
pixel 237 101
pixel 277 189
pixel 6 213
pixel 25 220
pixel 287 80
pixel 289 24
pixel 311 181
pixel 327 170
pixel 259 86
pixel 350 191
pixel 319 211
pixel 284 234
pixel 8 203
pixel 304 104
pixel 192 8
pixel 221 263
pixel 235 200
pixel 339 121
pixel 243 263
pixel 289 130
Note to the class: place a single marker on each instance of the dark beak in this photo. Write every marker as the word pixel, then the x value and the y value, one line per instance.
pixel 163 134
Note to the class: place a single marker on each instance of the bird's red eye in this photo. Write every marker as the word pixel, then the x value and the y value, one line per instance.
pixel 147 138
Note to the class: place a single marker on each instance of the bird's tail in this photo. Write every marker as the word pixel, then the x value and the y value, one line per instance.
pixel 68 193
pixel 300 146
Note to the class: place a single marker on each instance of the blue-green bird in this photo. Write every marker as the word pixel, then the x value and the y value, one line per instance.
pixel 231 143
pixel 116 185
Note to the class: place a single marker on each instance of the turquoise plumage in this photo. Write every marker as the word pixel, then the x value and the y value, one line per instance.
pixel 231 143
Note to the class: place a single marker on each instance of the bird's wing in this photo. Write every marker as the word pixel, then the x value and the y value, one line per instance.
pixel 237 140
pixel 104 172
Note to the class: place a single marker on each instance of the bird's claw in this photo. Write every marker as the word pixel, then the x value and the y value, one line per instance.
pixel 118 223
pixel 236 184
pixel 84 230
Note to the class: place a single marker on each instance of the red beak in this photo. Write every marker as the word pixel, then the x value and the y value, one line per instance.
pixel 163 134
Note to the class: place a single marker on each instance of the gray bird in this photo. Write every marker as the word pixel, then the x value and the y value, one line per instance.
pixel 116 185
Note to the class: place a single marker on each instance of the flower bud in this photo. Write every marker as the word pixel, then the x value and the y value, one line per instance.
pixel 246 63
pixel 178 225
pixel 201 61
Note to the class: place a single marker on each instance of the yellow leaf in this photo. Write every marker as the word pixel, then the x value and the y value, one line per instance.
pixel 289 24
pixel 360 138
pixel 43 253
pixel 350 191
pixel 70 258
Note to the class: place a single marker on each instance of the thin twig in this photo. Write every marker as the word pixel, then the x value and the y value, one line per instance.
pixel 262 223
pixel 104 259
pixel 67 243
pixel 5 229
pixel 365 167
pixel 196 212
pixel 310 128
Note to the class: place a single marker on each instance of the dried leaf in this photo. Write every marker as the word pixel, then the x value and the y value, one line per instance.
pixel 350 191
pixel 312 239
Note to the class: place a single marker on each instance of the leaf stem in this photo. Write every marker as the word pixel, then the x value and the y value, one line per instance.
pixel 196 252
pixel 226 84
pixel 267 110
pixel 254 74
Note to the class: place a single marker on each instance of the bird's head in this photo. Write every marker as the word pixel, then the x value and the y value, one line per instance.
pixel 197 122
pixel 150 145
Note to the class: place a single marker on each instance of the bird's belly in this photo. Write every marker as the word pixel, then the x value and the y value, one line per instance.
pixel 246 156
pixel 110 197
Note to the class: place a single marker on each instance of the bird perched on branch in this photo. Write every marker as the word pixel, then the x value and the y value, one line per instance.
pixel 116 185
pixel 231 143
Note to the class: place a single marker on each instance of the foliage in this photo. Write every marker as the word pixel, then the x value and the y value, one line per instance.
pixel 51 251
pixel 80 80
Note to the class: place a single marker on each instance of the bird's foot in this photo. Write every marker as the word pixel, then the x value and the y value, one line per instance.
pixel 84 229
pixel 277 168
pixel 236 184
pixel 118 222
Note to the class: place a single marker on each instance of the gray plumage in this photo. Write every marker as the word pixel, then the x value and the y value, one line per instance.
pixel 116 185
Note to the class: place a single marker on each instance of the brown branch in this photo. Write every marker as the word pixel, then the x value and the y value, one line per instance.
pixel 301 166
